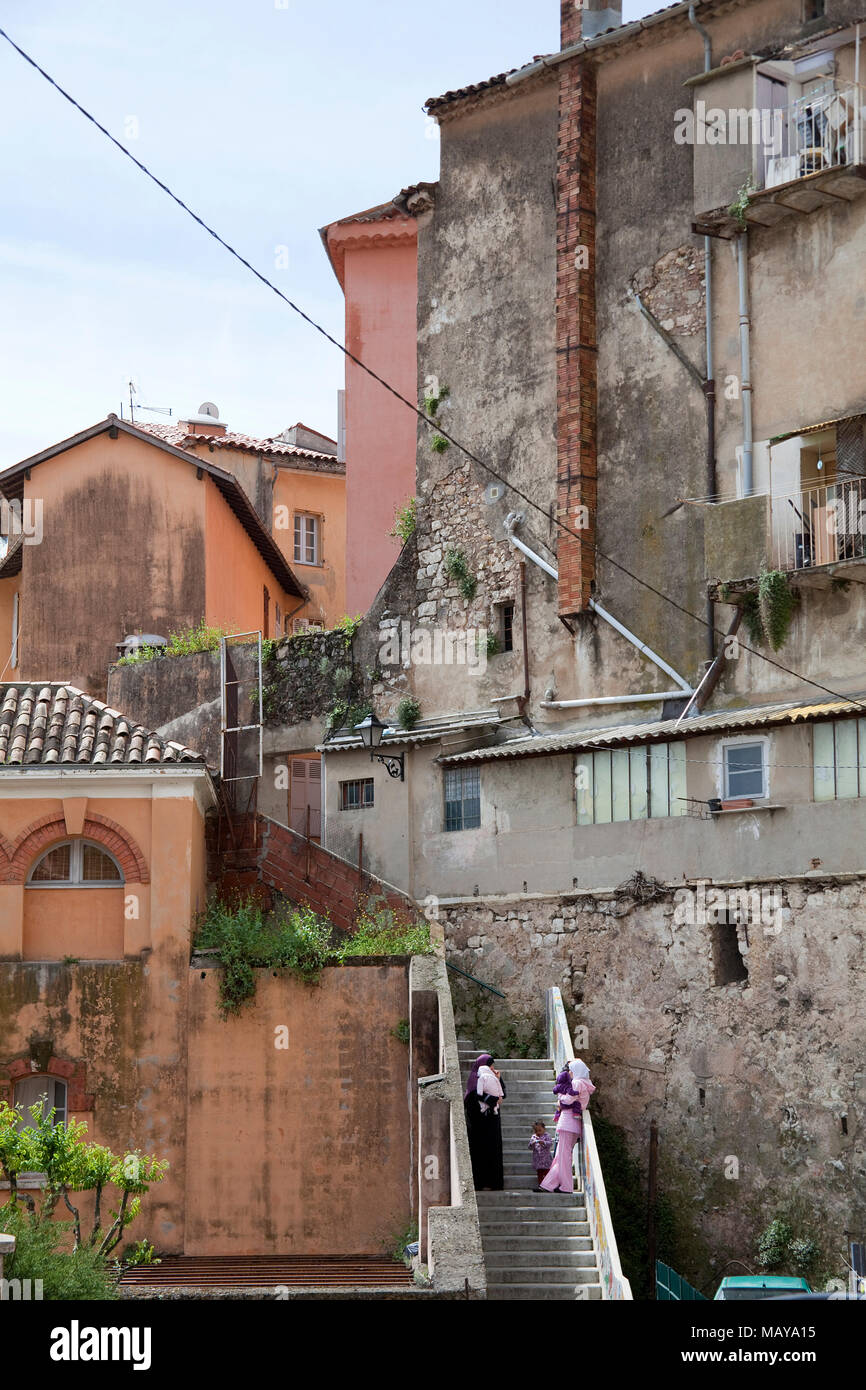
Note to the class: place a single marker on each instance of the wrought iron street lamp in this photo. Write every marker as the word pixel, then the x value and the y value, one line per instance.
pixel 371 730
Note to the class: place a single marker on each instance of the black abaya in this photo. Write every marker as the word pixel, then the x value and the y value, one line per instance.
pixel 485 1144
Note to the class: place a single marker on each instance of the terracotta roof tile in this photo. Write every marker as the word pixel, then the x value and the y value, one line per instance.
pixel 43 724
pixel 183 438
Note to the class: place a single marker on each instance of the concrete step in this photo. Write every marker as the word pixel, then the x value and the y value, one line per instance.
pixel 528 1239
pixel 557 1293
pixel 520 1205
pixel 586 1273
pixel 535 1266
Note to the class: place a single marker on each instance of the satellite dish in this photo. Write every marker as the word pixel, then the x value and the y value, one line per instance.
pixel 208 408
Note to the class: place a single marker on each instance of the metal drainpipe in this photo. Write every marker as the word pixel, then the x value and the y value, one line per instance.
pixel 709 384
pixel 525 640
pixel 745 359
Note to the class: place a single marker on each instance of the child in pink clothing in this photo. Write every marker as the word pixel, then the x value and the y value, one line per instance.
pixel 541 1144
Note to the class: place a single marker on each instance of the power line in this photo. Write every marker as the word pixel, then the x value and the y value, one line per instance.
pixel 666 598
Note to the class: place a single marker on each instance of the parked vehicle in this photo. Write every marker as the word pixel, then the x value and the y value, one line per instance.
pixel 750 1286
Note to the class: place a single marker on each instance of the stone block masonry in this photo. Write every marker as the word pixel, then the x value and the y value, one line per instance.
pixel 576 334
pixel 758 1085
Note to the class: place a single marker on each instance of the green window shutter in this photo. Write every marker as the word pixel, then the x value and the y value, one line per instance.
pixel 847 780
pixel 583 773
pixel 639 788
pixel 620 784
pixel 659 804
pixel 677 778
pixel 602 789
pixel 823 750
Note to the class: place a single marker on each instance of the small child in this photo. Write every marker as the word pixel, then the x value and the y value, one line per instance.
pixel 541 1144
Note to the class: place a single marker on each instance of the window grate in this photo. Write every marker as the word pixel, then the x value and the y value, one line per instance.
pixel 462 798
pixel 357 795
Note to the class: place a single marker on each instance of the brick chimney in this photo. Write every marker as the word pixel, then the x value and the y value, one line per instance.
pixel 576 376
pixel 569 25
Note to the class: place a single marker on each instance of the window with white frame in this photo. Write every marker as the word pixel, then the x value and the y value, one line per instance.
pixel 307 539
pixel 357 795
pixel 640 783
pixel 29 1091
pixel 839 759
pixel 75 864
pixel 462 798
pixel 744 769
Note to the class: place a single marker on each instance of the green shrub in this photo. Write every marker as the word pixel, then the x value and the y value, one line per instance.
pixel 379 932
pixel 439 444
pixel 290 938
pixel 768 611
pixel 408 712
pixel 772 1245
pixel 405 520
pixel 82 1275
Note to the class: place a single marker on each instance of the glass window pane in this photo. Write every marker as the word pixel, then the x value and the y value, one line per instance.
pixel 97 867
pixel 745 769
pixel 54 867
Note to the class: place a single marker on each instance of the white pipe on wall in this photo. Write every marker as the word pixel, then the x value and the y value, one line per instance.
pixel 647 699
pixel 513 519
pixel 745 359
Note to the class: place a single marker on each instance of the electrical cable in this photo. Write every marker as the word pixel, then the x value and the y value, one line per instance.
pixel 666 598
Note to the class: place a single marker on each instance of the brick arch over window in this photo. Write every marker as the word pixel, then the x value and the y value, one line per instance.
pixel 73 1073
pixel 6 848
pixel 48 831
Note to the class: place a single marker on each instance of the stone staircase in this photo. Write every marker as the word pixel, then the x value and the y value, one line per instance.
pixel 536 1245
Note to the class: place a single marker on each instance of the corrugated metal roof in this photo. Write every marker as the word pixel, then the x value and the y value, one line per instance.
pixel 621 735
pixel 428 731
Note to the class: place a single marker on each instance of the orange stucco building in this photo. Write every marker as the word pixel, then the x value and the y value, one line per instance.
pixel 374 255
pixel 120 532
pixel 105 1010
pixel 298 486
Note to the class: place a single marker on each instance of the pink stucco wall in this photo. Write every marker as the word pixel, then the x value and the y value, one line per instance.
pixel 379 264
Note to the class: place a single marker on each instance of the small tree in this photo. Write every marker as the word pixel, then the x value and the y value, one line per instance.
pixel 71 1165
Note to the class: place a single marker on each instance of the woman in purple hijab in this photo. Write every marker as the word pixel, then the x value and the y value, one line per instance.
pixel 485 1090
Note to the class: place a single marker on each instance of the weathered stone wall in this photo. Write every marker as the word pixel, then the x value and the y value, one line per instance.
pixel 306 675
pixel 768 1071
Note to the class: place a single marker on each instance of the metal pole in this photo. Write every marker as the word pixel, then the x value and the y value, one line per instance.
pixel 651 1199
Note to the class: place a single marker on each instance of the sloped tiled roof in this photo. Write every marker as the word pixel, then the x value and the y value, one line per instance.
pixel 45 724
pixel 183 438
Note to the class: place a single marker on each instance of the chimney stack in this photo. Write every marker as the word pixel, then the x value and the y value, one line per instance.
pixel 584 19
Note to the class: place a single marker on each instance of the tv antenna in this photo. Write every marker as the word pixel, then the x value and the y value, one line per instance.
pixel 134 405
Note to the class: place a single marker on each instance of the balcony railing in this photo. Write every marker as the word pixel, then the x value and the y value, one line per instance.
pixel 822 130
pixel 819 525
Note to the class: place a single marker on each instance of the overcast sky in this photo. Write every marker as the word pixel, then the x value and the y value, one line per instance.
pixel 270 118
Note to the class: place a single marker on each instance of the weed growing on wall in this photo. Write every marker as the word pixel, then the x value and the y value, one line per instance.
pixel 408 712
pixel 768 611
pixel 295 939
pixel 457 569
pixel 405 520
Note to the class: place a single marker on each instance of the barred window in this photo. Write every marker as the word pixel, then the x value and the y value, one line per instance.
pixel 462 798
pixel 357 795
pixel 839 758
pixel 617 784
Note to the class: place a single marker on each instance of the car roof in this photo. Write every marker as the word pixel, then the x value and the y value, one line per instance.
pixel 763 1281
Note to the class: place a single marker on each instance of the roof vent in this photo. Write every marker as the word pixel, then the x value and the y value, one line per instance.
pixel 597 16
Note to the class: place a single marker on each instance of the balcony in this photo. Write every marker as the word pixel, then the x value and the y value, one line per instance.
pixel 805 155
pixel 813 529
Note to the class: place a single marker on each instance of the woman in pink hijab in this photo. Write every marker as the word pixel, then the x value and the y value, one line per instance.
pixel 573 1089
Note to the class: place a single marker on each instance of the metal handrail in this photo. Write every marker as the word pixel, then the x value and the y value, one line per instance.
pixel 614 1284
pixel 474 979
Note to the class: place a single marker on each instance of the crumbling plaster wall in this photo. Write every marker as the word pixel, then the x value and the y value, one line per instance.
pixel 762 1071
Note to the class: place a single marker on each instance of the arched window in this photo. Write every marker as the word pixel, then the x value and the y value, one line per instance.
pixel 31 1089
pixel 75 864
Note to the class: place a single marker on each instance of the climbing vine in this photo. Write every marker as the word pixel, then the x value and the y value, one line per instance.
pixel 768 611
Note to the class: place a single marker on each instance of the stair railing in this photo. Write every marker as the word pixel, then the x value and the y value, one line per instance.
pixel 587 1163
